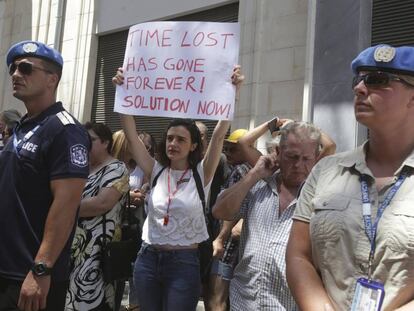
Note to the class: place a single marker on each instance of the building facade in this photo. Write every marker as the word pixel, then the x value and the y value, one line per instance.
pixel 295 54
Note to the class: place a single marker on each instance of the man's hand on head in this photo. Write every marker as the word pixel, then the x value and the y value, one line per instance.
pixel 266 166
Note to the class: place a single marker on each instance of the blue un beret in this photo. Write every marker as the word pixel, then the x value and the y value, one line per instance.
pixel 34 49
pixel 399 60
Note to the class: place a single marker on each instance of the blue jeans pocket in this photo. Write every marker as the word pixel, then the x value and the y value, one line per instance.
pixel 143 249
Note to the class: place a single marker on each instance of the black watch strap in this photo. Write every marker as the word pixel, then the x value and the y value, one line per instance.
pixel 41 269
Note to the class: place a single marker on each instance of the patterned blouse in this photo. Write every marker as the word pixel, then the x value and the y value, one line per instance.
pixel 87 289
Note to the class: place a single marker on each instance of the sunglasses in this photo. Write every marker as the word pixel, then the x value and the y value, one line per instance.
pixel 377 79
pixel 25 68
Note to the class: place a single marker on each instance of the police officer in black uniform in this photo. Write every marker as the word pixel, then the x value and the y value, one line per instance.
pixel 43 169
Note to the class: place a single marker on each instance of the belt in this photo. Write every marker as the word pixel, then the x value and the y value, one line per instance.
pixel 168 248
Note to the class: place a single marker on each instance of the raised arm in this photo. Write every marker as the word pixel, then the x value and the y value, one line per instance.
pixel 254 134
pixel 328 146
pixel 136 146
pixel 212 156
pixel 246 142
pixel 229 202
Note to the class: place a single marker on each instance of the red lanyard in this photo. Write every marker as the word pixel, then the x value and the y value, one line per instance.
pixel 171 195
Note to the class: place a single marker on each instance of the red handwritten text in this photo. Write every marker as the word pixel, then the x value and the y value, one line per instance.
pixel 160 83
pixel 157 103
pixel 212 108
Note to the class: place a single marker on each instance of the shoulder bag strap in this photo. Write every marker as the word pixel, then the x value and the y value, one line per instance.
pixel 198 182
pixel 103 216
pixel 127 208
pixel 154 181
pixel 200 188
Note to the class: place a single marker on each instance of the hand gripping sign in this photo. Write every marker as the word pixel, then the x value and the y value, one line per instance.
pixel 179 69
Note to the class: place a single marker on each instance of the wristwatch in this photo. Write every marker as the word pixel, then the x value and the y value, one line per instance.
pixel 41 269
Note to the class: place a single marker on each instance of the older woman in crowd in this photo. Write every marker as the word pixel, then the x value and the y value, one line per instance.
pixel 103 197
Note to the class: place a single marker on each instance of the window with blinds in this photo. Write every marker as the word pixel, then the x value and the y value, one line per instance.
pixel 111 50
pixel 393 22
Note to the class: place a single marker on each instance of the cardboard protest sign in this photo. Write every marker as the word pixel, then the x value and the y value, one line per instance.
pixel 179 69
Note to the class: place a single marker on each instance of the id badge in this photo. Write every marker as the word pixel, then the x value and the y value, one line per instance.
pixel 368 295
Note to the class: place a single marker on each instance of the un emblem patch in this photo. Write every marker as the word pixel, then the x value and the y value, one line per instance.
pixel 79 155
pixel 384 54
pixel 30 47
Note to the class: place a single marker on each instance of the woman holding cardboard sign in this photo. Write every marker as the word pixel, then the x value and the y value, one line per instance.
pixel 167 274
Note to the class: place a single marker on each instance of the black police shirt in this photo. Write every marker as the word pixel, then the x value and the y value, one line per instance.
pixel 51 146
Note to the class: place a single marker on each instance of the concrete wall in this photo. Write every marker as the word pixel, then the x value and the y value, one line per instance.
pixel 117 15
pixel 272 54
pixel 65 25
pixel 273 45
pixel 15 25
pixel 341 30
pixel 79 48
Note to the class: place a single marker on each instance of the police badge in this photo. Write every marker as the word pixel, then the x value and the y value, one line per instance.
pixel 384 53
pixel 79 155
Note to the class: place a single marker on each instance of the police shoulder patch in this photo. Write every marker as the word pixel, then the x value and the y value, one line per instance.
pixel 79 155
pixel 65 118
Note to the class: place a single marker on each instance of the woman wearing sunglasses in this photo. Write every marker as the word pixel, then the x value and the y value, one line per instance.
pixel 167 271
pixel 352 241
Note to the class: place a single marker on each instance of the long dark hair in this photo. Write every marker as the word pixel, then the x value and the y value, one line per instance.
pixel 195 156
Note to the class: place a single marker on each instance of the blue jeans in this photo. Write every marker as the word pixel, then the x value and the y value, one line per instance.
pixel 225 270
pixel 167 280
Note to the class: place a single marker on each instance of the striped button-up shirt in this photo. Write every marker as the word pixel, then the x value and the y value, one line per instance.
pixel 259 281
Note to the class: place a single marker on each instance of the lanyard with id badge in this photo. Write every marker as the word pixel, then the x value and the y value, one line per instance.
pixel 369 294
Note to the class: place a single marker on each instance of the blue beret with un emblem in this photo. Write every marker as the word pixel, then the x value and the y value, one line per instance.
pixel 399 60
pixel 34 49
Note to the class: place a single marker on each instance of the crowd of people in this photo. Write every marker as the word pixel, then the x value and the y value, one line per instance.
pixel 298 228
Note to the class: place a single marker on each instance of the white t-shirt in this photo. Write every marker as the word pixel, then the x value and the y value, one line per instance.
pixel 186 224
pixel 136 177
